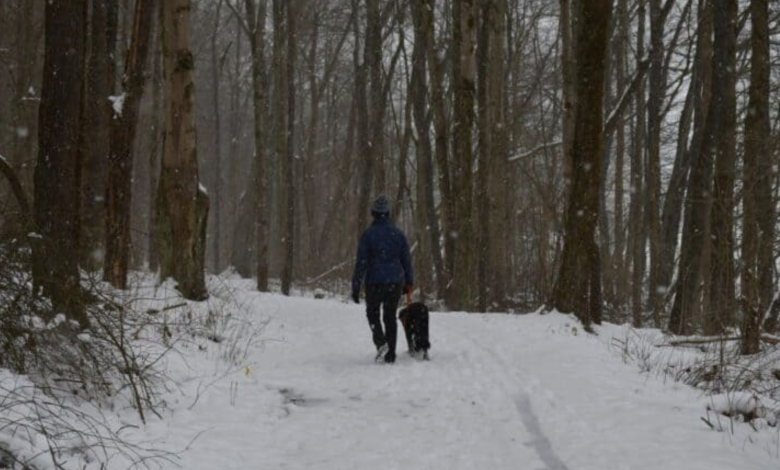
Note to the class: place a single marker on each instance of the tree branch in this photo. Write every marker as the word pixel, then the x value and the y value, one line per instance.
pixel 622 104
pixel 16 188
pixel 241 20
pixel 535 150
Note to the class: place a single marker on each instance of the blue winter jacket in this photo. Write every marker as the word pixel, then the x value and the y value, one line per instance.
pixel 383 256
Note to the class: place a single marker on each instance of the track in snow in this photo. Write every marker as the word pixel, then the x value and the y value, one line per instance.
pixel 501 392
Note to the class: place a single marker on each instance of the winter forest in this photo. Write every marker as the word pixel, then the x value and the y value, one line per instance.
pixel 184 183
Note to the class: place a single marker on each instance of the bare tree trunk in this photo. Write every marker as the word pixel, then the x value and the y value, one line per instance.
pixel 24 108
pixel 637 234
pixel 698 200
pixel 289 157
pixel 765 203
pixel 308 180
pixel 568 33
pixel 462 294
pixel 158 84
pixel 373 63
pixel 441 129
pixel 618 257
pixel 120 168
pixel 182 205
pixel 493 179
pixel 604 230
pixel 722 304
pixel 696 102
pixel 654 120
pixel 217 205
pixel 256 18
pixel 429 222
pixel 757 160
pixel 237 251
pixel 366 160
pixel 57 181
pixel 578 288
pixel 671 214
pixel 97 115
pixel 483 229
pixel 499 190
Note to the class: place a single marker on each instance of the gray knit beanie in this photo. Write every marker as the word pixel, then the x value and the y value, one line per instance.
pixel 381 205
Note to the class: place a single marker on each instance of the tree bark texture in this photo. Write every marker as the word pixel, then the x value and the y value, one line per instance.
pixel 722 305
pixel 97 117
pixel 289 242
pixel 462 294
pixel 698 200
pixel 578 288
pixel 57 172
pixel 181 203
pixel 120 163
pixel 256 17
pixel 756 180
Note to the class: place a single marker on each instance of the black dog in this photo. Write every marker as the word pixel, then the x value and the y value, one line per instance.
pixel 414 318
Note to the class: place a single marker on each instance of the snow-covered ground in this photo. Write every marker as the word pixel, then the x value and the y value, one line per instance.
pixel 501 392
pixel 513 392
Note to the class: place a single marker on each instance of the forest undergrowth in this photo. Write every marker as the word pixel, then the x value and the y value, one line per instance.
pixel 69 395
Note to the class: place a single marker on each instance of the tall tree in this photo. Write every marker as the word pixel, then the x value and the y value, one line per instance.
pixel 568 28
pixel 378 108
pixel 257 44
pixel 721 302
pixel 756 182
pixel 181 203
pixel 155 145
pixel 256 17
pixel 618 258
pixel 120 162
pixel 441 140
pixel 216 72
pixel 97 118
pixel 578 287
pixel 418 93
pixel 691 121
pixel 250 241
pixel 56 178
pixel 288 35
pixel 698 200
pixel 464 68
pixel 654 120
pixel 499 188
pixel 492 185
pixel 637 232
pixel 366 161
pixel 279 114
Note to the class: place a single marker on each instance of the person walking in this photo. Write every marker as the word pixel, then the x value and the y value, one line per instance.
pixel 384 262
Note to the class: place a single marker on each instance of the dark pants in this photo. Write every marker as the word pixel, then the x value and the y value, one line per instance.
pixel 385 296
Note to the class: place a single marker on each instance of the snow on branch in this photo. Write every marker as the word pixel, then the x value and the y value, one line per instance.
pixel 535 150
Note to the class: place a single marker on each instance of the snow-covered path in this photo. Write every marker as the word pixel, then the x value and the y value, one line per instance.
pixel 501 392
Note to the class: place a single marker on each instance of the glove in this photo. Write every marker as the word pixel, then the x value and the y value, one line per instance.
pixel 356 296
pixel 408 288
